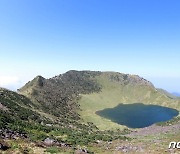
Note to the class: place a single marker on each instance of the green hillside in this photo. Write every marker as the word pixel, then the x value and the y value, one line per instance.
pixel 85 92
pixel 15 108
pixel 120 88
pixel 23 123
pixel 63 109
pixel 58 95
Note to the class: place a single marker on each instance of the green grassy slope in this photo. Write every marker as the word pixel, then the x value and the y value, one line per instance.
pixel 93 91
pixel 18 114
pixel 17 111
pixel 115 90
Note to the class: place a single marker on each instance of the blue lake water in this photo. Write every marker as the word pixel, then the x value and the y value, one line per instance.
pixel 138 115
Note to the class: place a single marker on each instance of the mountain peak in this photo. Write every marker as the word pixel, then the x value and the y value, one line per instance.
pixel 37 82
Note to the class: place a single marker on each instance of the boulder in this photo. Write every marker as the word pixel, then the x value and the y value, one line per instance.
pixel 48 142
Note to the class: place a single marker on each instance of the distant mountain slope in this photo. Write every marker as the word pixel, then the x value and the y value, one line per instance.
pixel 85 92
pixel 176 94
pixel 167 93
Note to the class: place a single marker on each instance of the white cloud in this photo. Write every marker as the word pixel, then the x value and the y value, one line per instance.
pixel 10 82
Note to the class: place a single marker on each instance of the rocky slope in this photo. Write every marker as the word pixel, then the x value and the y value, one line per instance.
pixel 59 95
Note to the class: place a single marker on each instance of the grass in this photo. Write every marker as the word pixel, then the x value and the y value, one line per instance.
pixel 52 150
pixel 112 94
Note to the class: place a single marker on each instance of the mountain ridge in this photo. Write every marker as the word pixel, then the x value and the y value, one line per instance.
pixel 77 95
pixel 66 95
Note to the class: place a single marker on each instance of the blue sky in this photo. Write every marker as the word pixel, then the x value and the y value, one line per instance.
pixel 45 37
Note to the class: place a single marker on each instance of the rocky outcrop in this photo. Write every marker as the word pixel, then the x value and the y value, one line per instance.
pixel 48 142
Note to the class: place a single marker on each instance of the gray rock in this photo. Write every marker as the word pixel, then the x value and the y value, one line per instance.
pixel 48 142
